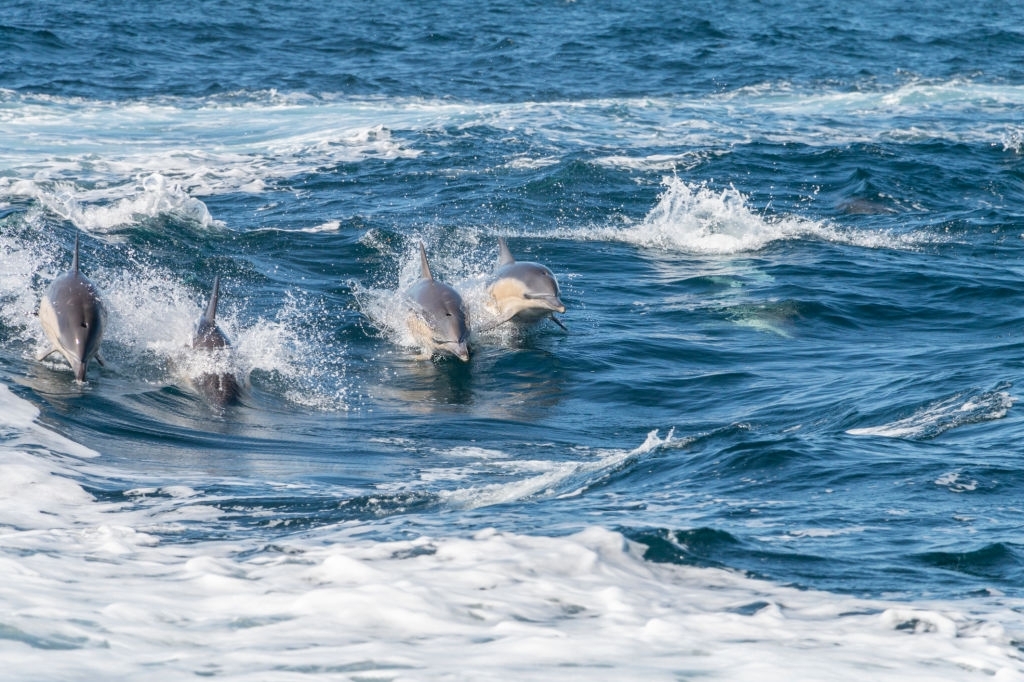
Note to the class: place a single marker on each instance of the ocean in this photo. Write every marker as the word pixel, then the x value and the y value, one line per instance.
pixel 778 438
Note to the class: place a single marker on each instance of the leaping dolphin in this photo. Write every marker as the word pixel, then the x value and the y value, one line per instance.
pixel 438 321
pixel 523 291
pixel 72 316
pixel 218 387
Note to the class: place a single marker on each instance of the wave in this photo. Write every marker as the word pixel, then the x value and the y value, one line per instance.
pixel 441 604
pixel 532 479
pixel 107 210
pixel 695 218
pixel 248 141
pixel 998 561
pixel 557 479
pixel 937 417
pixel 319 600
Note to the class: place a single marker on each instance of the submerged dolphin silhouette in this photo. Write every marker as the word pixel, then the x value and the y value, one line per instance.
pixel 523 291
pixel 72 316
pixel 438 321
pixel 218 387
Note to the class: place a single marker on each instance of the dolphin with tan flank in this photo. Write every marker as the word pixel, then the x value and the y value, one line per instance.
pixel 72 316
pixel 438 319
pixel 522 291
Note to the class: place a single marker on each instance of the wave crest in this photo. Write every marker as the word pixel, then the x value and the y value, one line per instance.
pixel 108 210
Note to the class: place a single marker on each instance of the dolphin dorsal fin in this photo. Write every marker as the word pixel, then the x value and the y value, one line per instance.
pixel 211 308
pixel 505 256
pixel 425 269
pixel 74 259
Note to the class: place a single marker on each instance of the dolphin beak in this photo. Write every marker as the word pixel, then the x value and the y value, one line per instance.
pixel 459 350
pixel 550 301
pixel 80 367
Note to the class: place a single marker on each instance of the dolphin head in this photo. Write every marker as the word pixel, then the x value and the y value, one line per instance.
pixel 539 285
pixel 524 291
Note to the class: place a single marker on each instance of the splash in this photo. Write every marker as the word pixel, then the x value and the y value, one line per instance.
pixel 1012 139
pixel 19 294
pixel 110 209
pixel 152 317
pixel 699 220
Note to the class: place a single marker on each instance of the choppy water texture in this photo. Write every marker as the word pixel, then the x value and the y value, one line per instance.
pixel 780 438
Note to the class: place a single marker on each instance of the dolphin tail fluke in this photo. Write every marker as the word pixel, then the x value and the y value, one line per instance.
pixel 211 307
pixel 559 323
pixel 425 269
pixel 505 256
pixel 74 260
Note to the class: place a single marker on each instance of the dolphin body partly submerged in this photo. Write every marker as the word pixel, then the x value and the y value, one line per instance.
pixel 220 388
pixel 72 316
pixel 523 291
pixel 438 321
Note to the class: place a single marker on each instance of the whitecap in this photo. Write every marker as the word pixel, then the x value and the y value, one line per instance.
pixel 113 208
pixel 959 409
pixel 698 219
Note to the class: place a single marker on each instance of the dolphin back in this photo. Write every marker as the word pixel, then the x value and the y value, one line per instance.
pixel 208 334
pixel 424 267
pixel 505 256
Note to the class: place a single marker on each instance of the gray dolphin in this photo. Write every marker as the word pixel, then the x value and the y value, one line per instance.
pixel 72 316
pixel 523 291
pixel 218 387
pixel 438 321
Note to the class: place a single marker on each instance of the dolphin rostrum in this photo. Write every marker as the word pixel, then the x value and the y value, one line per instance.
pixel 438 321
pixel 523 291
pixel 72 316
pixel 218 387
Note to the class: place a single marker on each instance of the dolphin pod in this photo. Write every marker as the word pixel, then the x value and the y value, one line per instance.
pixel 72 316
pixel 438 320
pixel 220 388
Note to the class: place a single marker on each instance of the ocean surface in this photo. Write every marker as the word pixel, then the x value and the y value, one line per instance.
pixel 780 438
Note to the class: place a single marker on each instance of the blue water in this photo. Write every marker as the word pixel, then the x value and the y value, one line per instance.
pixel 790 240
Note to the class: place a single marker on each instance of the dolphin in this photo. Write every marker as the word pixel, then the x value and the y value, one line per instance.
pixel 523 291
pixel 218 387
pixel 438 321
pixel 72 316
